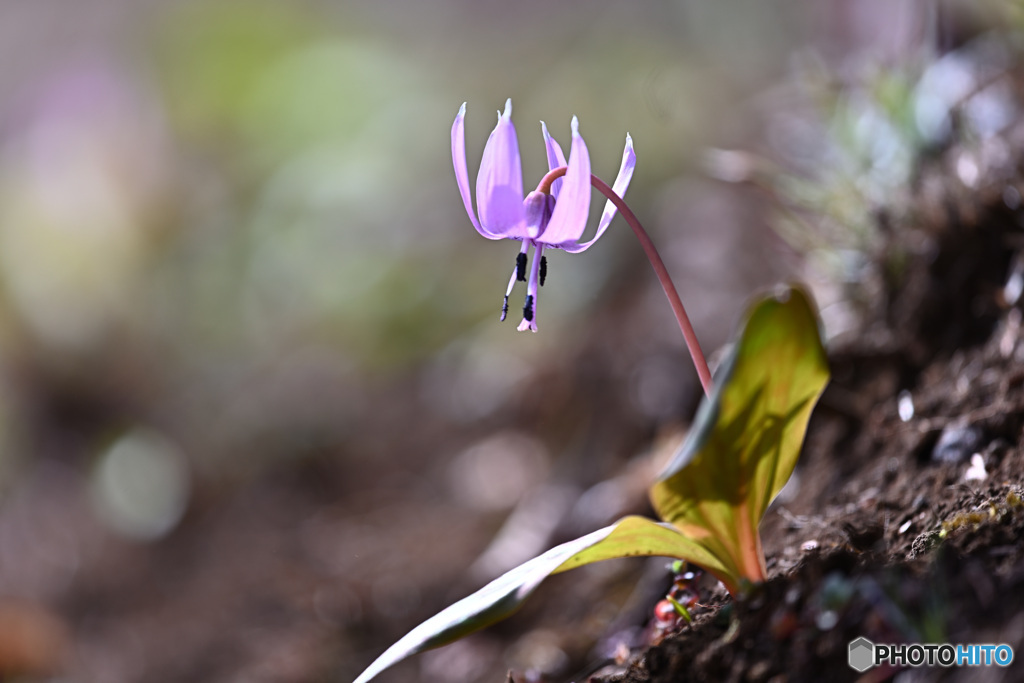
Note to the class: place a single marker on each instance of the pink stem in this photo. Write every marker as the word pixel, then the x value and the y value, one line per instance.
pixel 666 282
pixel 699 362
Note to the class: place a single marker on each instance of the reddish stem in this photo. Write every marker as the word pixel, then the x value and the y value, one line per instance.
pixel 659 269
pixel 551 176
pixel 666 282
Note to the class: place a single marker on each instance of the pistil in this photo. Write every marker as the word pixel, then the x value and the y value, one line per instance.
pixel 529 321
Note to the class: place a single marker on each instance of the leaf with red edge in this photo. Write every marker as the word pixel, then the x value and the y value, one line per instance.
pixel 747 436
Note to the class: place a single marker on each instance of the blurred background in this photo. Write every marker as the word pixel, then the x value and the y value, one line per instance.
pixel 257 415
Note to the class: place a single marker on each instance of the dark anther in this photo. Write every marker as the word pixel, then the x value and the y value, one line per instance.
pixel 528 309
pixel 521 267
pixel 504 309
pixel 543 269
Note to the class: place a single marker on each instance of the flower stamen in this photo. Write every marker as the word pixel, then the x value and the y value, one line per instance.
pixel 518 275
pixel 528 309
pixel 521 266
pixel 529 321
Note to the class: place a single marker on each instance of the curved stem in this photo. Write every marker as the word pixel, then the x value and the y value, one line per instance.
pixel 551 176
pixel 666 282
pixel 699 362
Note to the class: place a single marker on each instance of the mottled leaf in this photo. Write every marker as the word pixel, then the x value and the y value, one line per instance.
pixel 740 453
pixel 747 436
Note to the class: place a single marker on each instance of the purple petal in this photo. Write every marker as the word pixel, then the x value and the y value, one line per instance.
pixel 619 188
pixel 569 219
pixel 499 184
pixel 462 171
pixel 555 158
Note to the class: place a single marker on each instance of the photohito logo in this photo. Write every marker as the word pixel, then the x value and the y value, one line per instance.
pixel 863 654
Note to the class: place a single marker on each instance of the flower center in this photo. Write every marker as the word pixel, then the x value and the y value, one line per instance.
pixel 538 207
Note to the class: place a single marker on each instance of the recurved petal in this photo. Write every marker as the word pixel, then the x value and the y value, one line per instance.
pixel 555 158
pixel 619 188
pixel 499 184
pixel 569 219
pixel 462 171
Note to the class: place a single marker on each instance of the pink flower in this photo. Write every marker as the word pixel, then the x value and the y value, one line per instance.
pixel 543 219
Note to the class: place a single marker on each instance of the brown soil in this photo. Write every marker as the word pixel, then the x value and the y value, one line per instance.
pixel 304 569
pixel 885 536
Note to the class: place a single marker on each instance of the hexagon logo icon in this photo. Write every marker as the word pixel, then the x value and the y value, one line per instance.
pixel 862 654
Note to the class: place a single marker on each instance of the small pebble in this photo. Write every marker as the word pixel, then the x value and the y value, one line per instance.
pixel 827 620
pixel 976 472
pixel 906 406
pixel 1014 286
pixel 1011 197
pixel 956 443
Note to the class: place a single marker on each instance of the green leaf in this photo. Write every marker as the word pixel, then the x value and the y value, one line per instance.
pixel 739 454
pixel 629 537
pixel 746 437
